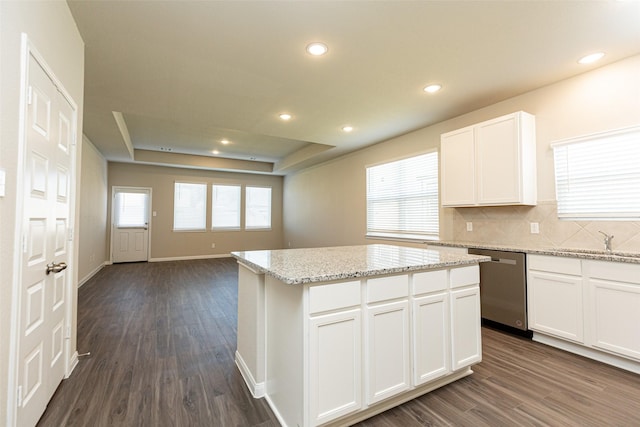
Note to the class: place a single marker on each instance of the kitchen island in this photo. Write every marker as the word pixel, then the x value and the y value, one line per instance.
pixel 331 336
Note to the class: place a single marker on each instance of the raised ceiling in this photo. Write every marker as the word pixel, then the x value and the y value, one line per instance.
pixel 166 81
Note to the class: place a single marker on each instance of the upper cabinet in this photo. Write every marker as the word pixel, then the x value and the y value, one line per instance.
pixel 492 163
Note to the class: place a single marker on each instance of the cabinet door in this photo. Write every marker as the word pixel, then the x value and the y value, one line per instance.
pixel 387 332
pixel 498 161
pixel 615 312
pixel 335 365
pixel 555 305
pixel 466 341
pixel 457 168
pixel 431 338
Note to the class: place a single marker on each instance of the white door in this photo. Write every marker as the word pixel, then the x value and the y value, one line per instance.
pixel 48 174
pixel 130 225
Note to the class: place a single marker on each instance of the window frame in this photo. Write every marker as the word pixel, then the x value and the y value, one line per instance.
pixel 204 207
pixel 247 207
pixel 434 186
pixel 588 193
pixel 239 208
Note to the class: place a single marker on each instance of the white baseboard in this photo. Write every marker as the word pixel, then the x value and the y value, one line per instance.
pixel 257 389
pixel 86 278
pixel 600 356
pixel 73 362
pixel 185 258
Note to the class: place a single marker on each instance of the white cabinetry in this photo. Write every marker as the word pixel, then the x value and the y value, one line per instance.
pixel 586 306
pixel 387 331
pixel 334 360
pixel 555 296
pixel 431 340
pixel 614 302
pixel 491 163
pixel 335 351
pixel 466 341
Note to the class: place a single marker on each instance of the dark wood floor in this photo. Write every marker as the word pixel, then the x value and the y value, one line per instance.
pixel 162 338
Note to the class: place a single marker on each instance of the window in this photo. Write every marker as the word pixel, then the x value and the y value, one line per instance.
pixel 225 212
pixel 598 176
pixel 189 206
pixel 258 208
pixel 131 209
pixel 402 198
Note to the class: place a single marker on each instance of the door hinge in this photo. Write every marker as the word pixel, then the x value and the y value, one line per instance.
pixel 70 234
pixel 30 95
pixel 19 397
pixel 24 243
pixel 68 332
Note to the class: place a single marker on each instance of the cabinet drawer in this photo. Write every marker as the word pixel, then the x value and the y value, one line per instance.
pixel 464 276
pixel 616 271
pixel 555 264
pixel 429 281
pixel 387 288
pixel 334 296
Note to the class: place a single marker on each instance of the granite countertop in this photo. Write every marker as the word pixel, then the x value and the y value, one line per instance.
pixel 297 266
pixel 599 255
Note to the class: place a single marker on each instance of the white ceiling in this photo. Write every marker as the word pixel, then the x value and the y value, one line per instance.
pixel 183 75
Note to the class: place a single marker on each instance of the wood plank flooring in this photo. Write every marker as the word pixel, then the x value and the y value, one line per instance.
pixel 162 340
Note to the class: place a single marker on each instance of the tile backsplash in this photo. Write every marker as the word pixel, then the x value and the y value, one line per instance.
pixel 510 225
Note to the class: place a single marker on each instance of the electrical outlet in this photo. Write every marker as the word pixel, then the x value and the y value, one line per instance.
pixel 469 226
pixel 535 228
pixel 213 245
pixel 155 213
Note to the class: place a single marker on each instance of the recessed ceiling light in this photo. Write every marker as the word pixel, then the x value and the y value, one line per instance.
pixel 224 142
pixel 285 116
pixel 432 88
pixel 317 49
pixel 215 152
pixel 590 58
pixel 347 128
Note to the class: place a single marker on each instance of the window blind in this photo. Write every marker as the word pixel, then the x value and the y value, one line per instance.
pixel 131 209
pixel 598 176
pixel 189 206
pixel 225 212
pixel 402 198
pixel 258 208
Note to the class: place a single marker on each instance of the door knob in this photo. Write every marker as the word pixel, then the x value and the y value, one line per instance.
pixel 56 268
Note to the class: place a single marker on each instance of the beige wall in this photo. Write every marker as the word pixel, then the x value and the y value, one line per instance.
pixel 92 227
pixel 53 32
pixel 167 244
pixel 325 205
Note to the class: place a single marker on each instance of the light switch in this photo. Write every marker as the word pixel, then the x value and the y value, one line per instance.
pixel 469 226
pixel 535 228
pixel 3 181
pixel 155 213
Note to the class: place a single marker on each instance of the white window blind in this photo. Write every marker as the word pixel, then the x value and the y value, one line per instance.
pixel 131 209
pixel 189 206
pixel 402 198
pixel 598 176
pixel 258 208
pixel 225 212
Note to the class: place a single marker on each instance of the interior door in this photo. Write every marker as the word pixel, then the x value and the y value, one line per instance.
pixel 49 162
pixel 130 226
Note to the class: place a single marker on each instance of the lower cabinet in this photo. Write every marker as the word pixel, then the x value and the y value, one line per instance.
pixel 593 303
pixel 556 304
pixel 430 338
pixel 387 351
pixel 614 305
pixel 335 373
pixel 466 341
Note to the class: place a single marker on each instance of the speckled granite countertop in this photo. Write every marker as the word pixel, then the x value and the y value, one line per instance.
pixel 616 256
pixel 297 266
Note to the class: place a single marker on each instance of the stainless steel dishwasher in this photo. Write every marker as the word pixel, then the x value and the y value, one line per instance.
pixel 503 289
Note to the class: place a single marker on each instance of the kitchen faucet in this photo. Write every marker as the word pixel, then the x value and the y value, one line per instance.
pixel 607 241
